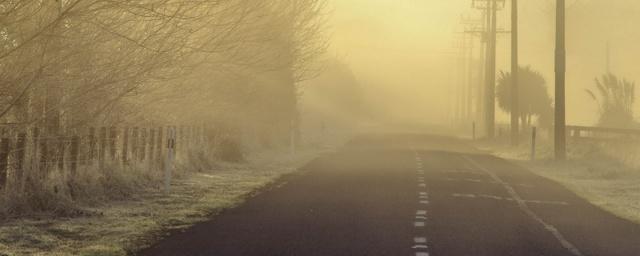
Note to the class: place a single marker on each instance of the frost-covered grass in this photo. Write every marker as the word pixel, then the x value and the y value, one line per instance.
pixel 604 172
pixel 119 226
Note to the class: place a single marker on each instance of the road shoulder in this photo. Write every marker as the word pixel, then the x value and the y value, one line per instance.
pixel 118 228
pixel 601 179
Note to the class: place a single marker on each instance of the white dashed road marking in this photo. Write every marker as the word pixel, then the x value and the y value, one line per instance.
pixel 420 243
pixel 420 240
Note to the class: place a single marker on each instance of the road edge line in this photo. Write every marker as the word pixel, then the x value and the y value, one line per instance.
pixel 525 208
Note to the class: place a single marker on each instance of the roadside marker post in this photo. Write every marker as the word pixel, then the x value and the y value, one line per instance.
pixel 473 131
pixel 533 143
pixel 171 143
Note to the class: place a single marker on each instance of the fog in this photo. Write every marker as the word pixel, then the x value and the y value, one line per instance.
pixel 398 50
pixel 317 127
pixel 404 52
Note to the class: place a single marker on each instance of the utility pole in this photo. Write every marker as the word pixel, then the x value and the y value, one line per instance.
pixel 489 38
pixel 515 104
pixel 482 63
pixel 491 70
pixel 458 84
pixel 560 122
pixel 470 80
pixel 470 29
pixel 459 72
pixel 453 114
pixel 463 82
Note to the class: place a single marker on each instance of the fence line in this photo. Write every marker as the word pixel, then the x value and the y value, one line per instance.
pixel 30 149
pixel 589 131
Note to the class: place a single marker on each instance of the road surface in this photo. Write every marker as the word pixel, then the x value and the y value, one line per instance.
pixel 409 195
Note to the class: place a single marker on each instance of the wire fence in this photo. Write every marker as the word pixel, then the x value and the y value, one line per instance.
pixel 40 154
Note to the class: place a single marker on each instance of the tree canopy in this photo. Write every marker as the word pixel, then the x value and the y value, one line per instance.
pixel 70 63
pixel 533 96
pixel 615 98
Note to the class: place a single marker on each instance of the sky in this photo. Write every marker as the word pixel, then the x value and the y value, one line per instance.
pixel 396 48
pixel 403 51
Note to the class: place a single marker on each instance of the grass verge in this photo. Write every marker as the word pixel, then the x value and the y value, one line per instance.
pixel 120 226
pixel 605 173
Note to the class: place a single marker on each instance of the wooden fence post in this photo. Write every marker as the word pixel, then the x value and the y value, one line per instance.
pixel 134 144
pixel 152 144
pixel 171 135
pixel 186 139
pixel 92 145
pixel 59 154
pixel 191 135
pixel 159 146
pixel 73 154
pixel 113 136
pixel 44 157
pixel 34 140
pixel 143 144
pixel 206 137
pixel 20 151
pixel 102 147
pixel 4 161
pixel 175 138
pixel 125 145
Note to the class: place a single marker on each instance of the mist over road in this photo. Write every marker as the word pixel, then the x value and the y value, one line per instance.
pixel 400 194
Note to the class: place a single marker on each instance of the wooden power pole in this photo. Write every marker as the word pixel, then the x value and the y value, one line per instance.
pixel 560 122
pixel 490 98
pixel 489 39
pixel 471 30
pixel 515 104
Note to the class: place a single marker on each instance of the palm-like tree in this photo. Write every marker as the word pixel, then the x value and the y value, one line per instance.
pixel 533 96
pixel 615 98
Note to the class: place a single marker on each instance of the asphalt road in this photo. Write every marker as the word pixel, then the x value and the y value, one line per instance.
pixel 409 195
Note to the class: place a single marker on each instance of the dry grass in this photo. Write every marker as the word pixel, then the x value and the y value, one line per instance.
pixel 126 209
pixel 606 173
pixel 58 194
